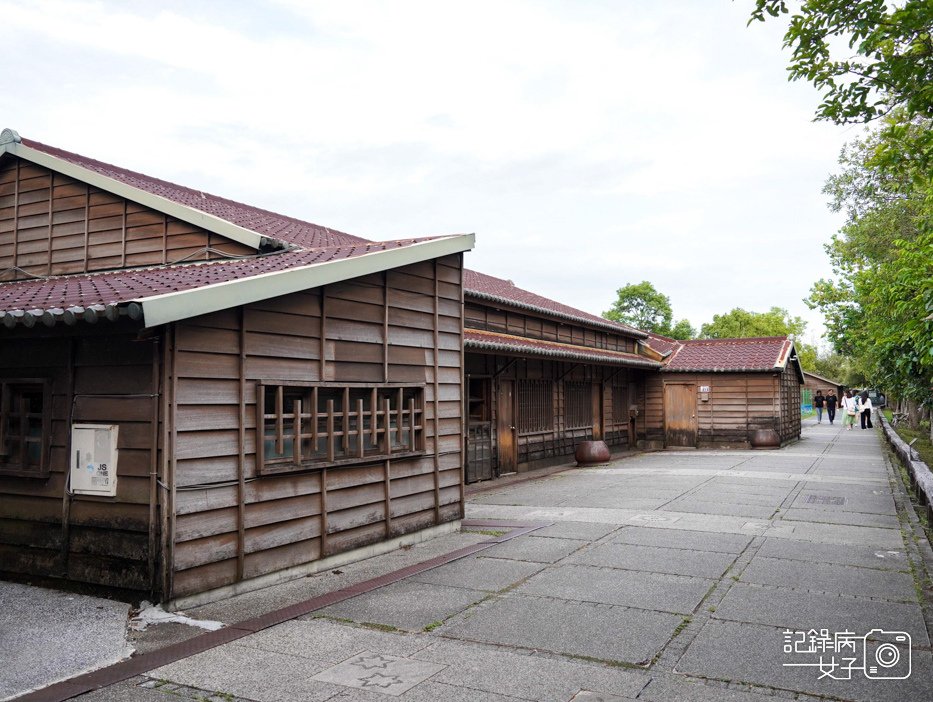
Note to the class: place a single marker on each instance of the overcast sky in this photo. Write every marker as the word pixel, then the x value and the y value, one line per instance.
pixel 588 144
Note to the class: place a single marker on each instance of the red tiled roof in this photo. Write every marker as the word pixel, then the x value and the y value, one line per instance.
pixel 270 224
pixel 725 355
pixel 496 289
pixel 118 287
pixel 480 340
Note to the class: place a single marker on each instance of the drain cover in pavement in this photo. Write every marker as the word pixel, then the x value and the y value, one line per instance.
pixel 825 500
pixel 390 675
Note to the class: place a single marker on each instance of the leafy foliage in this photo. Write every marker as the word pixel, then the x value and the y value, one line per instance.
pixel 739 323
pixel 892 64
pixel 640 305
pixel 878 304
pixel 683 330
pixel 890 70
pixel 643 307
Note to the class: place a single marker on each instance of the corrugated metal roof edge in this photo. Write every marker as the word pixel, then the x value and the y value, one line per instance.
pixel 609 326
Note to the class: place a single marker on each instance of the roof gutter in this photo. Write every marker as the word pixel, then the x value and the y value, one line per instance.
pixel 11 143
pixel 174 306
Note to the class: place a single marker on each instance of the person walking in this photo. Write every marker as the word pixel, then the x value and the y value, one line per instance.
pixel 865 410
pixel 831 401
pixel 818 404
pixel 849 409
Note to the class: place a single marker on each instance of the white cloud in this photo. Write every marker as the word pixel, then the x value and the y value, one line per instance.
pixel 588 145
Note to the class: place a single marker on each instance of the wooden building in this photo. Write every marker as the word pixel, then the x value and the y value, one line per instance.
pixel 814 382
pixel 199 394
pixel 714 393
pixel 542 376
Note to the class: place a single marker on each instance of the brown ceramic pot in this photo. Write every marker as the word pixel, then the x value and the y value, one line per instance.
pixel 590 452
pixel 765 439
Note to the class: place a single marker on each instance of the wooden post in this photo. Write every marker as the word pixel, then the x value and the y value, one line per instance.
pixel 464 399
pixel 346 422
pixel 324 506
pixel 66 498
pixel 323 334
pixel 359 427
pixel 279 420
pixel 296 443
pixel 385 326
pixel 330 431
pixel 16 219
pixel 48 269
pixel 241 441
pixel 437 435
pixel 153 470
pixel 87 224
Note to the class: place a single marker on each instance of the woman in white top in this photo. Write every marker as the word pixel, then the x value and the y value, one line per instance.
pixel 849 409
pixel 865 410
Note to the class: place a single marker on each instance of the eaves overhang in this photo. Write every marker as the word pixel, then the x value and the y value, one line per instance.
pixel 174 306
pixel 494 342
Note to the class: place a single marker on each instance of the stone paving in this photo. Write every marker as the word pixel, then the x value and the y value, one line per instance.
pixel 663 576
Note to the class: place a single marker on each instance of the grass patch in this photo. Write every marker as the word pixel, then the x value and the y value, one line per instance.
pixel 433 625
pixel 380 627
pixel 807 415
pixel 923 446
pixel 485 532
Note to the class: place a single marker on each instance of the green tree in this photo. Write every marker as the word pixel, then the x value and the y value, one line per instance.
pixel 879 302
pixel 739 323
pixel 683 330
pixel 640 305
pixel 867 56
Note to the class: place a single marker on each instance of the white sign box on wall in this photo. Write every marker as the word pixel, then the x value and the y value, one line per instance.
pixel 94 459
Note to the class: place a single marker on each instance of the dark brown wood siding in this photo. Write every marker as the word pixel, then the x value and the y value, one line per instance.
pixel 556 443
pixel 51 224
pixel 230 523
pixel 478 315
pixel 99 375
pixel 735 405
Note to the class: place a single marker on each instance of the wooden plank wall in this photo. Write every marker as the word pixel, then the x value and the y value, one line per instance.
pixel 557 444
pixel 99 375
pixel 51 224
pixel 790 424
pixel 229 523
pixel 480 316
pixel 738 404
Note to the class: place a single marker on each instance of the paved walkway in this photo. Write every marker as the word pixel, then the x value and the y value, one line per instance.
pixel 665 576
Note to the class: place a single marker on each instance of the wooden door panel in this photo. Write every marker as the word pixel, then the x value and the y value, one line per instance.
pixel 680 416
pixel 505 426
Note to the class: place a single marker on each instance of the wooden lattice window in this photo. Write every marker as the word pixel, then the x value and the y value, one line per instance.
pixel 304 426
pixel 535 406
pixel 620 404
pixel 25 427
pixel 578 405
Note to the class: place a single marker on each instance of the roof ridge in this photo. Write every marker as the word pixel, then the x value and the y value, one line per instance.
pixel 735 339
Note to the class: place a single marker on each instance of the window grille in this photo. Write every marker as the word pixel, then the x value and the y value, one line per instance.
pixel 535 406
pixel 578 405
pixel 307 426
pixel 25 427
pixel 620 404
